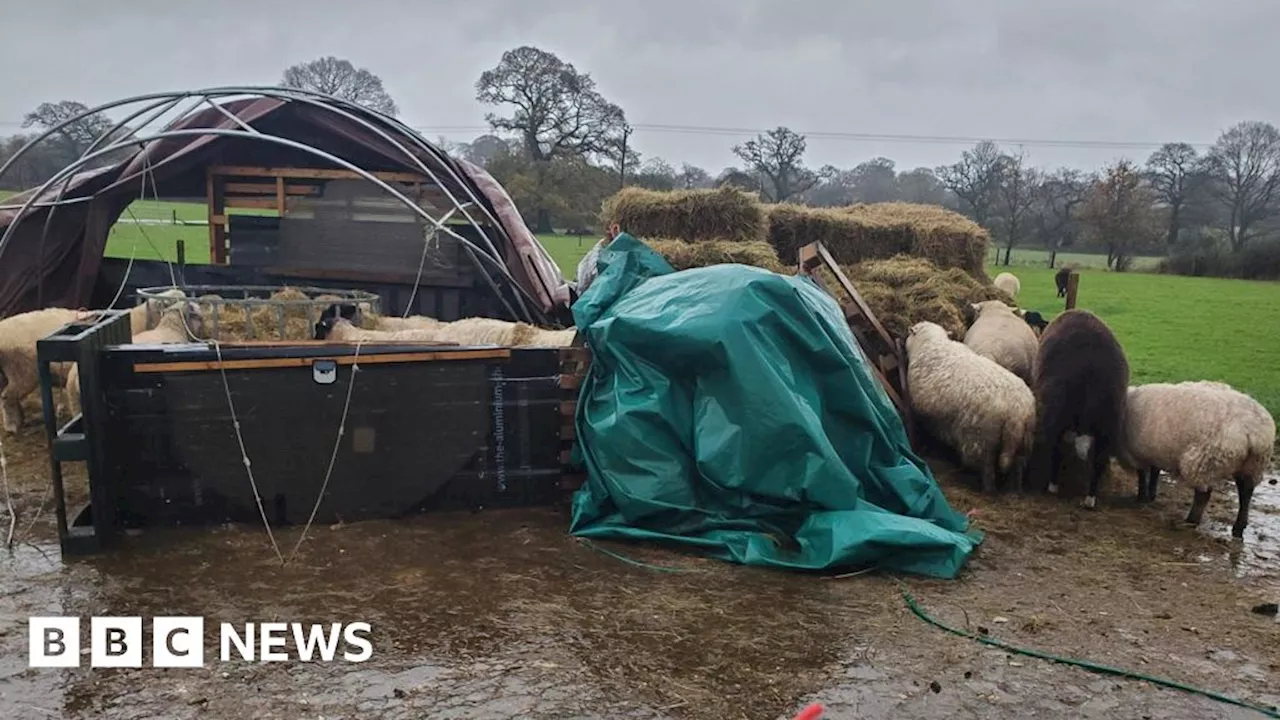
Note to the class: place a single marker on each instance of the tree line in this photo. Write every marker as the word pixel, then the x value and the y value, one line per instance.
pixel 560 147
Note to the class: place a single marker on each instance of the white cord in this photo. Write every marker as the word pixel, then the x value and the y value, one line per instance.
pixel 337 444
pixel 244 454
pixel 8 499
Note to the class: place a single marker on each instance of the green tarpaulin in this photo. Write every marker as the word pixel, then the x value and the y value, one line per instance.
pixel 729 409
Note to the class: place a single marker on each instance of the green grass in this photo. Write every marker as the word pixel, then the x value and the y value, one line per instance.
pixel 1032 257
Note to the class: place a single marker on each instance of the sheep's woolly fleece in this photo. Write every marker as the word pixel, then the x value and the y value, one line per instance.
pixel 18 371
pixel 1203 431
pixel 968 401
pixel 1000 335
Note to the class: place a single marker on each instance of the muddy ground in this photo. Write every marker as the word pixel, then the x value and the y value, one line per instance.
pixel 503 615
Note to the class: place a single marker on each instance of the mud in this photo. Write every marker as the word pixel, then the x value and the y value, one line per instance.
pixel 503 615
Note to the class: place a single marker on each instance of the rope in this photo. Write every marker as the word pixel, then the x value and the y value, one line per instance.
pixel 337 443
pixel 244 454
pixel 1085 664
pixel 629 561
pixel 8 499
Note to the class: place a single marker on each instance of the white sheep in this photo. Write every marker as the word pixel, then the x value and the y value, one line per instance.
pixel 972 404
pixel 1009 283
pixel 179 323
pixel 1205 432
pixel 468 331
pixel 18 368
pixel 999 334
pixel 146 314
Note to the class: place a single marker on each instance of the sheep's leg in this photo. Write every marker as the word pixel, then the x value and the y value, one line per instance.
pixel 12 412
pixel 1244 486
pixel 1198 504
pixel 1153 482
pixel 1099 457
pixel 1017 470
pixel 989 472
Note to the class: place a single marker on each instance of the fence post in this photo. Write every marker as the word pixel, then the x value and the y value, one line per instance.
pixel 1073 285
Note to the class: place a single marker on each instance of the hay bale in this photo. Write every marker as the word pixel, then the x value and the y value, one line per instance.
pixel 904 290
pixel 688 215
pixel 683 255
pixel 845 236
pixel 859 233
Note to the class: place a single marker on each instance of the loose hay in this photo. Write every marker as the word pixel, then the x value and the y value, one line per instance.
pixel 878 231
pixel 283 321
pixel 683 255
pixel 904 290
pixel 688 215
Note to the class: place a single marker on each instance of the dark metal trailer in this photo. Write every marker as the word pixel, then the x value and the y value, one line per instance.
pixel 424 428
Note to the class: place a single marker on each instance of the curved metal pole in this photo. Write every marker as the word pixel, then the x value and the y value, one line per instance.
pixel 290 94
pixel 458 204
pixel 48 220
pixel 218 132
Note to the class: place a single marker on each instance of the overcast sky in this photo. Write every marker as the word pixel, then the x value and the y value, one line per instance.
pixel 1135 71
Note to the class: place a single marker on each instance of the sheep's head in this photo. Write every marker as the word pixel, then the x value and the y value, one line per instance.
pixel 332 314
pixel 925 332
pixel 1035 320
pixel 988 306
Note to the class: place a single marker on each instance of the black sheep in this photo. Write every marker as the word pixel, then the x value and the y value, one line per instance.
pixel 1081 381
pixel 1061 280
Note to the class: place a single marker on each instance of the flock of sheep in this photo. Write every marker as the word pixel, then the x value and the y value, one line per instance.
pixel 172 318
pixel 1006 389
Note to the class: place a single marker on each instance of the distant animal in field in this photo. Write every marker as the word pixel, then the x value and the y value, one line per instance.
pixel 1060 279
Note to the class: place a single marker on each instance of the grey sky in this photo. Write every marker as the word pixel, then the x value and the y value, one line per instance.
pixel 1123 70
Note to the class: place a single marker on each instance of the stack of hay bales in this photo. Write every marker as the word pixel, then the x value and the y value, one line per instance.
pixel 696 228
pixel 910 262
pixel 879 231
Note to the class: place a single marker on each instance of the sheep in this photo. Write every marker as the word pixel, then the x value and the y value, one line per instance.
pixel 18 368
pixel 972 404
pixel 142 316
pixel 1009 283
pixel 340 323
pixel 358 316
pixel 1202 431
pixel 1060 279
pixel 1080 378
pixel 1034 319
pixel 173 327
pixel 179 323
pixel 999 334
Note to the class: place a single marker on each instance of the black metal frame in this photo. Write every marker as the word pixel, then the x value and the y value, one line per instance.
pixel 530 378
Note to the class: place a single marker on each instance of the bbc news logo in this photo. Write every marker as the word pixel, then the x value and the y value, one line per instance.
pixel 178 642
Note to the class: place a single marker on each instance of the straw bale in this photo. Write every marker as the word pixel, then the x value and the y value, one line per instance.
pixel 688 215
pixel 683 255
pixel 904 290
pixel 268 319
pixel 859 233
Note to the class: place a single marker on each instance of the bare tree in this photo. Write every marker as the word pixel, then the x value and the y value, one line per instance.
pixel 777 156
pixel 739 178
pixel 76 137
pixel 1120 214
pixel 1016 194
pixel 1174 172
pixel 875 181
pixel 1245 164
pixel 1056 217
pixel 975 180
pixel 339 78
pixel 558 110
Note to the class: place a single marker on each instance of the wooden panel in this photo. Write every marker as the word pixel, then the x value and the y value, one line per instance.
pixel 270 188
pixel 239 201
pixel 200 365
pixel 312 173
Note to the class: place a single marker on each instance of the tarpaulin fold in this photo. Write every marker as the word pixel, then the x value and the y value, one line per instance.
pixel 730 409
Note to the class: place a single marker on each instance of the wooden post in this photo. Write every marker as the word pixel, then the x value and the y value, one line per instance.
pixel 217 218
pixel 182 252
pixel 280 194
pixel 1073 285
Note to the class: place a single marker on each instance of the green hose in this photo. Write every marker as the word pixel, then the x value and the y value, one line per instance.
pixel 1091 666
pixel 1270 712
